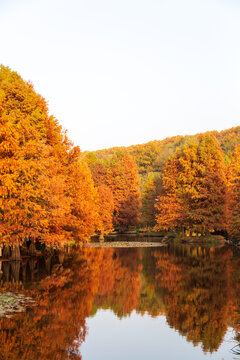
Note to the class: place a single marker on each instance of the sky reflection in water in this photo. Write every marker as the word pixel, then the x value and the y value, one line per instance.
pixel 143 337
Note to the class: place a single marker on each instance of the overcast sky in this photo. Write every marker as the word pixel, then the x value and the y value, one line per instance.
pixel 121 72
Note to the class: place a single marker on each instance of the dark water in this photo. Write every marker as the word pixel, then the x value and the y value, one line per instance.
pixel 134 303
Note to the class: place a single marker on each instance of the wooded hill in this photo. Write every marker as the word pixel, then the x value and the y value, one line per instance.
pixel 151 156
pixel 188 183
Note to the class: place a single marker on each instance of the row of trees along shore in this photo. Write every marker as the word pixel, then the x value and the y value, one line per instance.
pixel 53 194
pixel 47 191
pixel 197 191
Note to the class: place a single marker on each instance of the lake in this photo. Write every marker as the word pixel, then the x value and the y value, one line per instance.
pixel 174 302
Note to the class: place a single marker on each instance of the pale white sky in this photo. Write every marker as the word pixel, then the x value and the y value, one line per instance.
pixel 121 72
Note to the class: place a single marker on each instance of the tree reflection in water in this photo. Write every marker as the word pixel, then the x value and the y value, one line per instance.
pixel 197 289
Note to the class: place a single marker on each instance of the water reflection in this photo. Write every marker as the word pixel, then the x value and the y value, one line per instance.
pixel 195 289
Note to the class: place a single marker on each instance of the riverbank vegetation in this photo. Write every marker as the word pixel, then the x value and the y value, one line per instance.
pixel 189 184
pixel 53 194
pixel 47 192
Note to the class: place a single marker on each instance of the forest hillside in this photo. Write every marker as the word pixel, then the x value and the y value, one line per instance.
pixel 187 183
pixel 151 156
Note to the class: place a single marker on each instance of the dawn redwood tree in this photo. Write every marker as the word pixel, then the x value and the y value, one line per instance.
pixel 33 163
pixel 122 178
pixel 119 173
pixel 23 115
pixel 106 207
pixel 210 210
pixel 85 219
pixel 233 203
pixel 170 207
pixel 194 189
pixel 55 199
pixel 45 192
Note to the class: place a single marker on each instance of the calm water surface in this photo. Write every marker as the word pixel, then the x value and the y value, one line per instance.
pixel 133 303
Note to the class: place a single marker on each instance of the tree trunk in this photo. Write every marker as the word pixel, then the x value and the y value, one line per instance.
pixel 32 248
pixel 48 262
pixel 6 252
pixel 16 255
pixel 1 272
pixel 101 237
pixel 61 258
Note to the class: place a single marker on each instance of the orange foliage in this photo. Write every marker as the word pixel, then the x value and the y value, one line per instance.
pixel 195 184
pixel 198 292
pixel 106 207
pixel 233 214
pixel 45 192
pixel 84 204
pixel 119 173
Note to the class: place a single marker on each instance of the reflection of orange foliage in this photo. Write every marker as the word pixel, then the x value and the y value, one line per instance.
pixel 56 327
pixel 119 281
pixel 168 274
pixel 198 293
pixel 198 289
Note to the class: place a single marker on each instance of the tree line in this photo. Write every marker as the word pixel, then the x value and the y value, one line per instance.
pixel 189 184
pixel 199 190
pixel 196 192
pixel 52 193
pixel 48 193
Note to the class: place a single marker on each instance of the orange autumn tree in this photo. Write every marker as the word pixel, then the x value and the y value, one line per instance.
pixel 233 207
pixel 33 182
pixel 38 165
pixel 105 195
pixel 23 116
pixel 106 207
pixel 124 183
pixel 194 184
pixel 54 185
pixel 119 173
pixel 169 205
pixel 84 216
